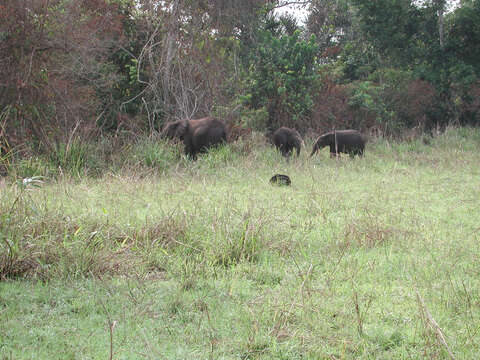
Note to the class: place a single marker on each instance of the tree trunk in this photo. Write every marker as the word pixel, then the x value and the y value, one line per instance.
pixel 441 9
pixel 169 53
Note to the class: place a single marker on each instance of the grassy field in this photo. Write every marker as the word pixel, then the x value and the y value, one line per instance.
pixel 372 258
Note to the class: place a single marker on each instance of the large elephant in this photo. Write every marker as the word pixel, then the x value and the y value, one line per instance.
pixel 286 139
pixel 197 135
pixel 342 141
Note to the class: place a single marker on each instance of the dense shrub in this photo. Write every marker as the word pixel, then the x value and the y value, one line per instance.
pixel 282 78
pixel 331 109
pixel 470 108
pixel 392 100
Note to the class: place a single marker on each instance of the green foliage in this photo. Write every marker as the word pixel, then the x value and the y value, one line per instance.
pixel 218 156
pixel 154 154
pixel 358 60
pixel 368 100
pixel 406 36
pixel 33 166
pixel 133 65
pixel 232 245
pixel 393 27
pixel 393 100
pixel 120 97
pixel 282 76
pixel 75 157
pixel 333 22
pixel 253 118
pixel 463 38
pixel 13 258
pixel 6 152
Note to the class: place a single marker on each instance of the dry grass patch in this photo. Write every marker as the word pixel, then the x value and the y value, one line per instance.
pixel 49 245
pixel 165 233
pixel 237 242
pixel 371 231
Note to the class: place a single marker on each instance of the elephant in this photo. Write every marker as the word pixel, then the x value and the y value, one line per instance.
pixel 347 141
pixel 286 139
pixel 197 135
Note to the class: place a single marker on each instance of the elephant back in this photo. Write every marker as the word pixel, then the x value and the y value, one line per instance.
pixel 207 132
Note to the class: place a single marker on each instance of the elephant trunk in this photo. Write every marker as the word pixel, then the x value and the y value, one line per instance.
pixel 298 146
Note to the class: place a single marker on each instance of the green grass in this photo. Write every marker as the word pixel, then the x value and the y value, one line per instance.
pixel 207 260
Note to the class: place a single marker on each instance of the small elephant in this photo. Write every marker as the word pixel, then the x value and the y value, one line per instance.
pixel 286 139
pixel 347 141
pixel 197 135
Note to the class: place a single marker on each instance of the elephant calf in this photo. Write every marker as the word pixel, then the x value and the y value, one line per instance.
pixel 342 141
pixel 286 139
pixel 197 135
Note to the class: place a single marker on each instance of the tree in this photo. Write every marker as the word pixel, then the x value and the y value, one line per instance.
pixel 190 54
pixel 282 75
pixel 393 27
pixel 463 35
pixel 462 47
pixel 332 22
pixel 52 55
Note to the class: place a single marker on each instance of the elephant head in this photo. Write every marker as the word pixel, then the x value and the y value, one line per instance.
pixel 176 129
pixel 321 142
pixel 197 135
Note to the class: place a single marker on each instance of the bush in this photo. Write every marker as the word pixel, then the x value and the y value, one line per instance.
pixel 30 167
pixel 331 109
pixel 154 154
pixel 393 101
pixel 282 78
pixel 240 242
pixel 75 157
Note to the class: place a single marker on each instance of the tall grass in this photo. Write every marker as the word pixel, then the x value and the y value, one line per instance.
pixel 357 259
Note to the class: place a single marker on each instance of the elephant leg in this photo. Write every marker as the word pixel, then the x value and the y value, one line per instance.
pixel 191 154
pixel 190 149
pixel 333 151
pixel 358 152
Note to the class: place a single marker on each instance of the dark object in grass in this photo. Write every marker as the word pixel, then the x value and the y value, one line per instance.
pixel 341 141
pixel 427 140
pixel 281 180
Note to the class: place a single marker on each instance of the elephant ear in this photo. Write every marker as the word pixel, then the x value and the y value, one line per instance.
pixel 167 131
pixel 182 128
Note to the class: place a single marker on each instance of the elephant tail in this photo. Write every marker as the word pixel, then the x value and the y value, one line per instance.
pixel 314 150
